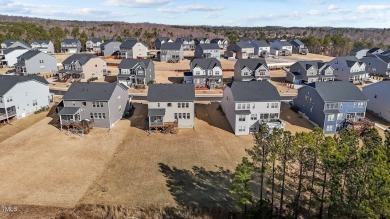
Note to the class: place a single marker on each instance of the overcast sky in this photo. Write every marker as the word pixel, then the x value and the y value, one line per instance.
pixel 335 13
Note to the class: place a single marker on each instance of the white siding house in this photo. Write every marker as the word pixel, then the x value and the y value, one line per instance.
pixel 349 68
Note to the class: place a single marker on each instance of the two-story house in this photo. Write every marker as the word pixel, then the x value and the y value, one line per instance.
pixel 209 50
pixel 349 68
pixel 222 43
pixel 94 45
pixel 101 103
pixel 82 67
pixel 378 98
pixel 240 50
pixel 171 52
pixel 187 43
pixel 358 52
pixel 10 56
pixel 70 46
pixel 45 46
pixel 22 95
pixel 171 105
pixel 248 104
pixel 298 47
pixel 205 73
pixel 332 104
pixel 375 51
pixel 251 69
pixel 35 62
pixel 161 40
pixel 7 44
pixel 262 48
pixel 131 48
pixel 110 47
pixel 136 72
pixel 377 65
pixel 201 40
pixel 281 48
pixel 303 72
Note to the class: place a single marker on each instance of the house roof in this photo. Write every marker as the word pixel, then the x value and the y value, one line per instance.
pixel 253 91
pixel 215 40
pixel 182 39
pixel 81 57
pixel 284 43
pixel 384 58
pixel 252 64
pixel 110 41
pixel 29 54
pixel 70 41
pixel 10 42
pixel 128 44
pixel 130 63
pixel 156 112
pixel 308 64
pixel 93 91
pixel 357 49
pixel 171 92
pixel 384 83
pixel 6 51
pixel 69 111
pixel 297 42
pixel 95 40
pixel 41 42
pixel 338 91
pixel 350 60
pixel 244 45
pixel 205 63
pixel 9 81
pixel 163 38
pixel 171 46
pixel 208 46
pixel 259 43
pixel 374 50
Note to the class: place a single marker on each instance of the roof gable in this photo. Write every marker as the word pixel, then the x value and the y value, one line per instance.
pixel 171 92
pixel 93 91
pixel 253 91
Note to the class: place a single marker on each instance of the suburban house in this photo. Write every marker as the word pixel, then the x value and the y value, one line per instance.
pixel 378 98
pixel 377 65
pixel 241 50
pixel 303 72
pixel 374 51
pixel 210 50
pixel 45 46
pixel 281 48
pixel 188 44
pixel 102 104
pixel 134 72
pixel 171 52
pixel 82 67
pixel 9 57
pixel 71 46
pixel 358 52
pixel 7 44
pixel 349 68
pixel 131 48
pixel 161 40
pixel 36 62
pixel 222 43
pixel 110 47
pixel 93 45
pixel 248 104
pixel 262 48
pixel 170 106
pixel 205 73
pixel 251 70
pixel 22 95
pixel 332 105
pixel 201 40
pixel 298 47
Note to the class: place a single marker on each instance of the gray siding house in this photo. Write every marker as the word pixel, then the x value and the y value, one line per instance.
pixel 101 103
pixel 171 105
pixel 378 98
pixel 377 65
pixel 82 67
pixel 262 48
pixel 93 45
pixel 110 47
pixel 171 52
pixel 249 104
pixel 242 50
pixel 205 73
pixel 303 72
pixel 210 50
pixel 222 43
pixel 134 72
pixel 358 52
pixel 251 70
pixel 36 62
pixel 349 68
pixel 22 95
pixel 298 47
pixel 281 48
pixel 45 46
pixel 71 46
pixel 161 40
pixel 187 43
pixel 131 48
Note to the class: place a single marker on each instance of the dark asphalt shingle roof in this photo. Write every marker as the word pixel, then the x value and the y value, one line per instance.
pixel 350 60
pixel 259 43
pixel 10 42
pixel 253 91
pixel 171 46
pixel 171 93
pixel 95 40
pixel 297 42
pixel 205 63
pixel 93 91
pixel 252 64
pixel 308 64
pixel 156 112
pixel 284 43
pixel 128 44
pixel 385 59
pixel 208 46
pixel 41 42
pixel 244 45
pixel 29 54
pixel 215 40
pixel 130 63
pixel 9 81
pixel 6 51
pixel 68 110
pixel 81 57
pixel 374 50
pixel 70 41
pixel 163 39
pixel 338 91
pixel 109 41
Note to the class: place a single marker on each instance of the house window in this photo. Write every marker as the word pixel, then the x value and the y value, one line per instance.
pixel 40 61
pixel 180 116
pixel 169 104
pixel 1 99
pixel 241 128
pixel 179 105
pixel 97 104
pixel 267 105
pixel 332 105
pixel 274 115
pixel 329 128
pixel 158 104
pixel 98 115
pixel 35 102
pixel 253 116
pixel 241 118
pixel 239 106
pixel 340 116
pixel 274 105
pixel 264 116
pixel 9 99
pixel 331 117
pixel 187 105
pixel 83 103
pixel 175 115
pixel 216 72
pixel 248 106
pixel 197 73
pixel 188 116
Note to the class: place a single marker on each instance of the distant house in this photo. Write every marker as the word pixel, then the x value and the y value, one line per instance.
pixel 242 50
pixel 171 105
pixel 222 43
pixel 374 51
pixel 261 48
pixel 71 46
pixel 35 62
pixel 133 49
pixel 22 95
pixel 171 52
pixel 378 98
pixel 201 40
pixel 210 50
pixel 377 64
pixel 8 44
pixel 161 40
pixel 205 73
pixel 249 104
pixel 303 72
pixel 281 48
pixel 135 72
pixel 332 105
pixel 298 47
pixel 82 67
pixel 45 46
pixel 93 45
pixel 102 104
pixel 188 44
pixel 358 52
pixel 110 47
pixel 251 70
pixel 349 68
pixel 9 57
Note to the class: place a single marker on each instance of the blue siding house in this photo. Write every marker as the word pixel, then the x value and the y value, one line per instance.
pixel 332 105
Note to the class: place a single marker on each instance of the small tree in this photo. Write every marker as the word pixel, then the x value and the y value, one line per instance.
pixel 241 179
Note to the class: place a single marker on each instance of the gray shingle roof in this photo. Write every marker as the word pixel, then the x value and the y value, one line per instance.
pixel 163 38
pixel 252 64
pixel 205 63
pixel 308 64
pixel 215 40
pixel 284 43
pixel 68 110
pixel 385 59
pixel 41 41
pixel 297 42
pixel 128 44
pixel 6 51
pixel 244 45
pixel 9 81
pixel 259 43
pixel 81 57
pixel 29 54
pixel 10 42
pixel 171 93
pixel 374 50
pixel 130 63
pixel 156 112
pixel 110 41
pixel 208 46
pixel 338 91
pixel 95 40
pixel 253 91
pixel 70 41
pixel 171 46
pixel 93 91
pixel 350 60
pixel 357 49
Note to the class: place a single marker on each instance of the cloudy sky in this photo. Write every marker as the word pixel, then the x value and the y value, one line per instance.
pixel 336 13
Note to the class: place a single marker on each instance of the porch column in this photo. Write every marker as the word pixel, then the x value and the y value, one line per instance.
pixel 6 110
pixel 60 122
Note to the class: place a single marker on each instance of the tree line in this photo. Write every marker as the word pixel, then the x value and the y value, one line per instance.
pixel 308 175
